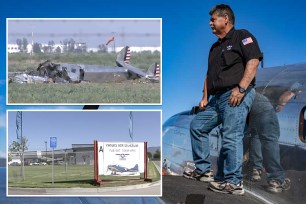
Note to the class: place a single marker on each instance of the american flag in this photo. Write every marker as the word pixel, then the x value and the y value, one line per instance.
pixel 247 41
pixel 131 125
pixel 19 126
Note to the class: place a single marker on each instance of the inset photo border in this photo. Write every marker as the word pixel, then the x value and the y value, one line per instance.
pixel 78 61
pixel 84 153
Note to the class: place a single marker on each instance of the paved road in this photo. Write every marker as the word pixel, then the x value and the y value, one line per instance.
pixel 157 165
pixel 149 189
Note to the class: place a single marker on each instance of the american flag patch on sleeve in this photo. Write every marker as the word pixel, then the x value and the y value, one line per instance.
pixel 247 41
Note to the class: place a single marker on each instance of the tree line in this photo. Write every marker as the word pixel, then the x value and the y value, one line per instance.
pixel 67 45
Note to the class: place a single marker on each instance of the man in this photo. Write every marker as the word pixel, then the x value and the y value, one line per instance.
pixel 232 65
pixel 264 147
pixel 264 126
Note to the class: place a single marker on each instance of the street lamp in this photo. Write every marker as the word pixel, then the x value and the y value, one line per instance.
pixel 46 151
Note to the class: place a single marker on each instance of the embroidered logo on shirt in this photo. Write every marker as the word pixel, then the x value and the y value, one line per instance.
pixel 229 47
pixel 247 41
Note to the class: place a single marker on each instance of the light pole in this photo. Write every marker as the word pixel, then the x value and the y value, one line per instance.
pixel 66 162
pixel 46 151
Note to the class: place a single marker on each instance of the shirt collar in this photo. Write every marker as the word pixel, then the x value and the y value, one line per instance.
pixel 229 35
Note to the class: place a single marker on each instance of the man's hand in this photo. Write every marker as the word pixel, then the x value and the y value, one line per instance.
pixel 279 107
pixel 235 97
pixel 203 103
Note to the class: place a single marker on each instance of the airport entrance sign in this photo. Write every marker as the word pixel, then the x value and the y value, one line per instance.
pixel 53 142
pixel 120 159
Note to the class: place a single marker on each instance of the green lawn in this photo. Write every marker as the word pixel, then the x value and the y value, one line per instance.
pixel 75 176
pixel 127 92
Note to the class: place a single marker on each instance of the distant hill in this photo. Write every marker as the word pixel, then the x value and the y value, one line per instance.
pixel 153 149
pixel 2 162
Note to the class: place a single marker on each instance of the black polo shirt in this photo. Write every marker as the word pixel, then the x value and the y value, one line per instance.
pixel 228 58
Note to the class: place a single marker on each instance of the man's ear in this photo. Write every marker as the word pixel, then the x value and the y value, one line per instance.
pixel 226 19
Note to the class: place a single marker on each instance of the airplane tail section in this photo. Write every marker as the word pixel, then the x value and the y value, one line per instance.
pixel 157 71
pixel 154 71
pixel 123 60
pixel 123 57
pixel 135 168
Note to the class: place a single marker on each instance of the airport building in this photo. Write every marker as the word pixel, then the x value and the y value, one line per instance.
pixel 13 48
pixel 79 154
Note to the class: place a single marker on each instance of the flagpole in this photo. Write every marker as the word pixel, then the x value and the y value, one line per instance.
pixel 131 126
pixel 132 129
pixel 19 126
pixel 23 176
pixel 114 43
pixel 114 46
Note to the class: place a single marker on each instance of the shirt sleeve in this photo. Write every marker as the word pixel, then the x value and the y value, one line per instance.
pixel 249 46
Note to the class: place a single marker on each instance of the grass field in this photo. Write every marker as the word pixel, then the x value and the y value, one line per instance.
pixel 75 176
pixel 19 62
pixel 127 92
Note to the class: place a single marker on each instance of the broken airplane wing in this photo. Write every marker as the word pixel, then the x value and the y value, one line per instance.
pixel 75 73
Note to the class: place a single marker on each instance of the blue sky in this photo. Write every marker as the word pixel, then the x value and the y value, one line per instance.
pixel 83 127
pixel 279 27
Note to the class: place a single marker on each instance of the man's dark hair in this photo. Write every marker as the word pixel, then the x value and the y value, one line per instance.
pixel 223 9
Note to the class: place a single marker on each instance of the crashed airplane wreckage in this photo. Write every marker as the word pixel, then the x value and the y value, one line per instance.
pixel 48 72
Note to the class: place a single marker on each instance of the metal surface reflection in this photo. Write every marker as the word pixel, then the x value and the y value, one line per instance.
pixel 284 89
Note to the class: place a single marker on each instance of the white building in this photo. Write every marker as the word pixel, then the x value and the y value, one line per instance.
pixel 135 49
pixel 141 49
pixel 29 48
pixel 12 48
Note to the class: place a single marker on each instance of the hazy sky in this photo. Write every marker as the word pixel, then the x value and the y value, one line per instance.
pixel 83 127
pixel 131 32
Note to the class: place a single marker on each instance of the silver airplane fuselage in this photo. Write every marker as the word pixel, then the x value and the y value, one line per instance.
pixel 285 89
